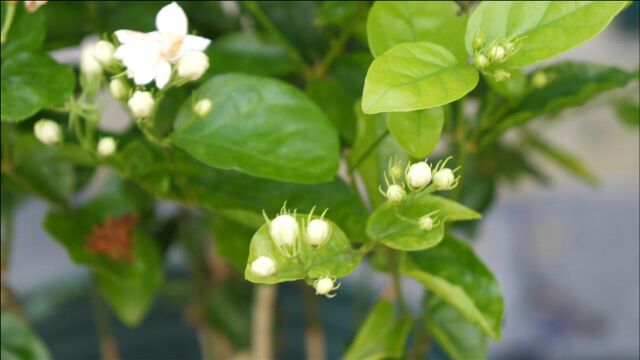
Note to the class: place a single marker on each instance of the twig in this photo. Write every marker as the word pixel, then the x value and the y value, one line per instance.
pixel 108 344
pixel 397 281
pixel 262 329
pixel 314 335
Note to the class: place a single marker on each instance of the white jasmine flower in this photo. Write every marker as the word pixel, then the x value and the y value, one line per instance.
pixel 118 88
pixel 202 107
pixel 263 266
pixel 47 131
pixel 395 193
pixel 148 56
pixel 106 146
pixel 443 179
pixel 418 175
pixel 141 104
pixel 324 286
pixel 284 230
pixel 318 232
pixel 497 53
pixel 193 65
pixel 89 65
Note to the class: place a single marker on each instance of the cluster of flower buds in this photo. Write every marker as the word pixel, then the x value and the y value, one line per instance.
pixel 325 285
pixel 418 176
pixel 498 51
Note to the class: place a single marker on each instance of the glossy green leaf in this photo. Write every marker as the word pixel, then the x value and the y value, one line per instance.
pixel 331 96
pixel 335 258
pixel 547 28
pixel 452 271
pixel 31 82
pixel 251 53
pixel 27 32
pixel 569 84
pixel 382 336
pixel 458 337
pixel 395 22
pixel 19 341
pixel 395 225
pixel 261 126
pixel 417 132
pixel 415 76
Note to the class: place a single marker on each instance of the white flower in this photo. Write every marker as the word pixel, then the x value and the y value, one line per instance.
pixel 32 6
pixel 48 131
pixel 497 53
pixel 443 179
pixel 149 56
pixel 324 286
pixel 202 107
pixel 318 232
pixel 425 223
pixel 193 65
pixel 419 175
pixel 103 52
pixel 263 266
pixel 118 88
pixel 284 230
pixel 88 63
pixel 106 146
pixel 141 104
pixel 395 193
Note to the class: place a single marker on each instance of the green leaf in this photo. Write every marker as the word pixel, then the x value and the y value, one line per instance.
pixel 547 28
pixel 395 225
pixel 562 158
pixel 514 87
pixel 395 22
pixel 249 52
pixel 31 82
pixel 382 336
pixel 569 84
pixel 27 32
pixel 261 126
pixel 19 341
pixel 459 338
pixel 417 132
pixel 335 258
pixel 329 94
pixel 452 271
pixel 628 112
pixel 415 76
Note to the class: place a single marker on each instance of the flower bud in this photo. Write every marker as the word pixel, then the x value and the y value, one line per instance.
pixel 324 286
pixel 141 104
pixel 496 53
pixel 419 175
pixel 118 88
pixel 425 223
pixel 509 48
pixel 192 65
pixel 48 131
pixel 395 193
pixel 395 171
pixel 318 232
pixel 103 52
pixel 501 75
pixel 443 179
pixel 284 230
pixel 88 63
pixel 202 107
pixel 263 266
pixel 106 146
pixel 539 80
pixel 33 6
pixel 481 61
pixel 478 41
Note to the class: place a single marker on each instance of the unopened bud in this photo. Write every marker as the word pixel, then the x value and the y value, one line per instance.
pixel 284 230
pixel 419 175
pixel 395 193
pixel 318 232
pixel 141 104
pixel 501 75
pixel 263 266
pixel 33 6
pixel 103 52
pixel 192 65
pixel 425 223
pixel 47 131
pixel 106 146
pixel 324 286
pixel 118 88
pixel 89 65
pixel 496 53
pixel 202 107
pixel 481 61
pixel 443 179
pixel 478 41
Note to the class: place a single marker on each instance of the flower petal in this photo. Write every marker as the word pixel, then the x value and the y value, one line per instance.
pixel 163 73
pixel 127 36
pixel 172 19
pixel 193 43
pixel 143 74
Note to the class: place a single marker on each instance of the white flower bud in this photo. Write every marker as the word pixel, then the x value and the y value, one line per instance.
pixel 192 65
pixel 419 175
pixel 395 193
pixel 118 88
pixel 395 171
pixel 33 6
pixel 425 223
pixel 443 179
pixel 141 104
pixel 106 146
pixel 478 41
pixel 318 232
pixel 103 52
pixel 324 286
pixel 539 80
pixel 88 63
pixel 509 48
pixel 497 53
pixel 48 131
pixel 202 107
pixel 481 61
pixel 263 266
pixel 284 230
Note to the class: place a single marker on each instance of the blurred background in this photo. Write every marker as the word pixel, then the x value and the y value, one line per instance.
pixel 566 254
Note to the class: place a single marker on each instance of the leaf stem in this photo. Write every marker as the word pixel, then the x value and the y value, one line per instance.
pixel 8 20
pixel 397 281
pixel 262 322
pixel 370 149
pixel 108 344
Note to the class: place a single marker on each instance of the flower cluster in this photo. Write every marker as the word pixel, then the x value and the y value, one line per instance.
pixel 288 232
pixel 497 52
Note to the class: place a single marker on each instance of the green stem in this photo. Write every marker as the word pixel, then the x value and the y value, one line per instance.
pixel 7 242
pixel 108 345
pixel 460 134
pixel 397 281
pixel 264 20
pixel 8 20
pixel 370 149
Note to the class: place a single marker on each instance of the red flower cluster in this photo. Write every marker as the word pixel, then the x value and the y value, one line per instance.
pixel 113 238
